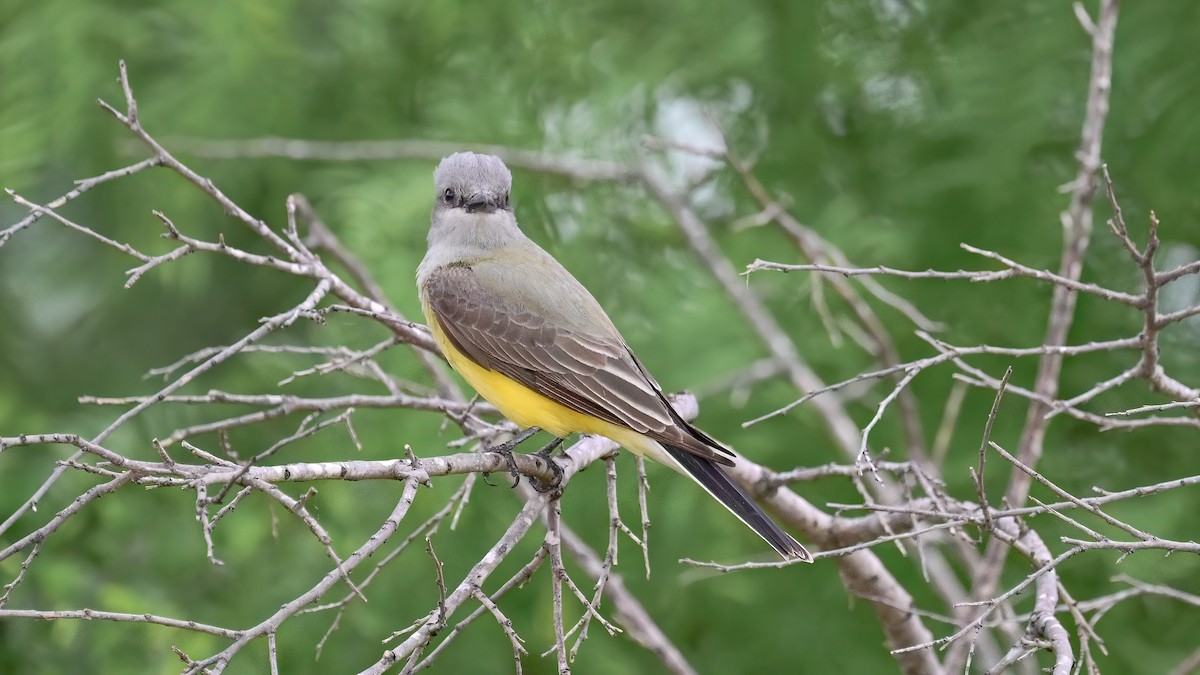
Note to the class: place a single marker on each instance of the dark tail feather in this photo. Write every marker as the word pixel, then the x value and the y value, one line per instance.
pixel 713 479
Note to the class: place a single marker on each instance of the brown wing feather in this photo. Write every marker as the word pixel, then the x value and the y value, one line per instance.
pixel 586 373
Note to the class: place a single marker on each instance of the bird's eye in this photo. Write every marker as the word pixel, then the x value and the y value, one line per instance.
pixel 506 199
pixel 448 196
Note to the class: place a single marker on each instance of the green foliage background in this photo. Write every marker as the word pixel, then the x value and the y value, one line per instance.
pixel 896 128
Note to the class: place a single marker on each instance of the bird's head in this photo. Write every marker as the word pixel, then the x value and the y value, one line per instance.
pixel 473 183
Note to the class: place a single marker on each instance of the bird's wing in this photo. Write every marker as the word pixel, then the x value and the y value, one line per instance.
pixel 592 373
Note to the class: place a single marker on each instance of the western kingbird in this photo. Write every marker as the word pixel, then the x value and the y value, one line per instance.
pixel 535 343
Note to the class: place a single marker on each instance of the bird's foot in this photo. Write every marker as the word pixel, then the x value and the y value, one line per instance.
pixel 547 486
pixel 505 450
pixel 507 454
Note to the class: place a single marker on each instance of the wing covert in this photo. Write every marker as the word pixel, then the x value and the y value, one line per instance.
pixel 593 374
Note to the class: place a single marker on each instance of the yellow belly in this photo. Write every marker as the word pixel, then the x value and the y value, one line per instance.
pixel 524 406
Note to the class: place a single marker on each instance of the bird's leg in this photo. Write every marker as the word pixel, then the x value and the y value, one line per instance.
pixel 547 451
pixel 508 446
pixel 505 450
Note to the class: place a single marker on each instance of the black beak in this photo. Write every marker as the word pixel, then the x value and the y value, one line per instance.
pixel 481 201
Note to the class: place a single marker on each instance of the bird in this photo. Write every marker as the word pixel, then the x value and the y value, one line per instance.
pixel 533 342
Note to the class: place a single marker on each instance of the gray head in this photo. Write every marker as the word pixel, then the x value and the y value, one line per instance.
pixel 473 183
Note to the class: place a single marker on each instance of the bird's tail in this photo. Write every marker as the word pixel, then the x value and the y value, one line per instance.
pixel 718 484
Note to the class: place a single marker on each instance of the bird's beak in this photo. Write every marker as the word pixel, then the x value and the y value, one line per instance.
pixel 481 201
